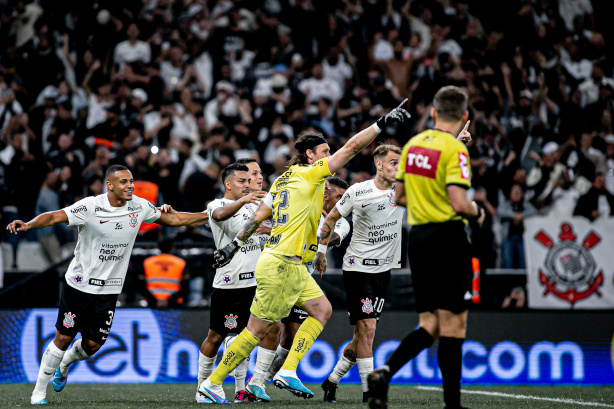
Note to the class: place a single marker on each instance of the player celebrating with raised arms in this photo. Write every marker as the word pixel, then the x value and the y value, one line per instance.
pixel 295 202
pixel 375 249
pixel 108 225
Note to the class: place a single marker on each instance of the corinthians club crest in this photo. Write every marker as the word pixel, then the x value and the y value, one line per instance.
pixel 69 320
pixel 231 321
pixel 570 268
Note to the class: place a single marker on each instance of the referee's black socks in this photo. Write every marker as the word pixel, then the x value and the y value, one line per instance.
pixel 450 355
pixel 411 346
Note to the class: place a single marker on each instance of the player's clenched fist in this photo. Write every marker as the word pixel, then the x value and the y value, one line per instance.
pixel 397 115
pixel 224 255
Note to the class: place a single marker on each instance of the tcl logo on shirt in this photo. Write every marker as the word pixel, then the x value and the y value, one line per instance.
pixel 422 161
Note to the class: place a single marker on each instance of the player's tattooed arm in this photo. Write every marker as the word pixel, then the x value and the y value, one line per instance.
pixel 253 223
pixel 328 229
pixel 327 238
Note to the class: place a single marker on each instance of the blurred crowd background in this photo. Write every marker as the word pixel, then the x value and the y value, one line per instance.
pixel 178 89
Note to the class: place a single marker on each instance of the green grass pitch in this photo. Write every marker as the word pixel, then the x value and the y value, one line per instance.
pixel 108 396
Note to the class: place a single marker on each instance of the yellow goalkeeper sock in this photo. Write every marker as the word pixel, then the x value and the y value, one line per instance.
pixel 236 353
pixel 303 340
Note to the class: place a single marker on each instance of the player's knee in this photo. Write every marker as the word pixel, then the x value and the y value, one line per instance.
pixel 366 330
pixel 90 347
pixel 327 311
pixel 214 339
pixel 62 341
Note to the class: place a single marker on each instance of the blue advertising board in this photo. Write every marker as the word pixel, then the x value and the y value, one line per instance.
pixel 159 346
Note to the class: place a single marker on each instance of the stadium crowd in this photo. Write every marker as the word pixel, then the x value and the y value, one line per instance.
pixel 177 90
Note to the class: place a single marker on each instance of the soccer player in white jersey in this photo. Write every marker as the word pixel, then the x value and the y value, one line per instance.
pixel 234 285
pixel 108 225
pixel 335 189
pixel 375 249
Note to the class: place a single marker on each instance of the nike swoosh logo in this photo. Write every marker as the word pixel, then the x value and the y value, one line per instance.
pixel 103 338
pixel 104 221
pixel 365 205
pixel 236 215
pixel 302 317
pixel 48 373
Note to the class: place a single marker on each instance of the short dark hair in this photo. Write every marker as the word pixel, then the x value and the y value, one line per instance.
pixel 305 136
pixel 339 182
pixel 245 161
pixel 382 150
pixel 450 103
pixel 230 170
pixel 114 168
pixel 166 245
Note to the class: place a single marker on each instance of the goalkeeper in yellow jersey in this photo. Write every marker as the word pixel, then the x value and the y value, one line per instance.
pixel 295 203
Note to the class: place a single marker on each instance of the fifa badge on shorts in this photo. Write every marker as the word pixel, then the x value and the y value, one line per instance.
pixel 227 279
pixel 231 321
pixel 69 320
pixel 78 279
pixel 133 219
pixel 367 306
pixel 352 261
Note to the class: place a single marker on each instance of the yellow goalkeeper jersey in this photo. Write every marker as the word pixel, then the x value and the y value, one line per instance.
pixel 431 161
pixel 297 198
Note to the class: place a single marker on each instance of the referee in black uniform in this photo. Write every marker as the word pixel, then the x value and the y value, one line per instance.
pixel 432 181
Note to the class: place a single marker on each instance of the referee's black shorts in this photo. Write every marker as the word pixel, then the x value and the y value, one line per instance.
pixel 440 263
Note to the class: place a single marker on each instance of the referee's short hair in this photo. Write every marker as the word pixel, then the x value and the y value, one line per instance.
pixel 230 170
pixel 114 168
pixel 382 150
pixel 450 103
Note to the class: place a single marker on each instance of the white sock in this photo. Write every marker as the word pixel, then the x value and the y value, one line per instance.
pixel 278 361
pixel 365 367
pixel 287 373
pixel 205 367
pixel 342 367
pixel 240 374
pixel 49 363
pixel 264 358
pixel 74 354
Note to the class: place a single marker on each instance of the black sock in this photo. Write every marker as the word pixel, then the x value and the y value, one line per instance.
pixel 450 355
pixel 411 346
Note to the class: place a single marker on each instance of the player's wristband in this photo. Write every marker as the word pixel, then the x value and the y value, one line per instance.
pixel 377 128
pixel 322 248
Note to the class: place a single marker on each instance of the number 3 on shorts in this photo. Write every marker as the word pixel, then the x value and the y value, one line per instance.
pixel 110 321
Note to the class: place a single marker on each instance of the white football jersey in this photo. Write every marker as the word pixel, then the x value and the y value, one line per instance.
pixel 342 228
pixel 104 244
pixel 375 246
pixel 239 273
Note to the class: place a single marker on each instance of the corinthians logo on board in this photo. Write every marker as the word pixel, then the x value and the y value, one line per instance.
pixel 570 268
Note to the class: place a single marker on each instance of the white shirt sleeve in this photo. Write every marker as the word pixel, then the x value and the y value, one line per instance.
pixel 342 228
pixel 80 212
pixel 268 200
pixel 151 213
pixel 216 204
pixel 346 203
